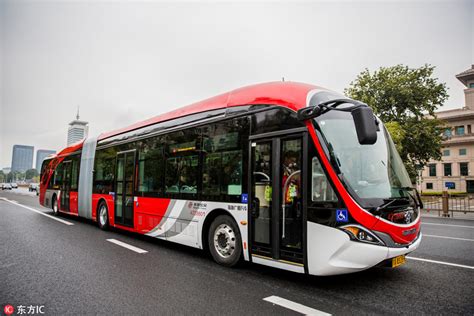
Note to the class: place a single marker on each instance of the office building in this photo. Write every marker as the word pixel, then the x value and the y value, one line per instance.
pixel 22 158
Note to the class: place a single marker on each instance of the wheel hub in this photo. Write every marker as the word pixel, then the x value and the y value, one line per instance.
pixel 224 240
pixel 103 215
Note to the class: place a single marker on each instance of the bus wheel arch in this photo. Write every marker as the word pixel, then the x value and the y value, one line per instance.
pixel 222 221
pixel 102 214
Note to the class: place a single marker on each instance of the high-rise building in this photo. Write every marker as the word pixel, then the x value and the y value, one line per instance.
pixel 455 171
pixel 22 158
pixel 40 155
pixel 77 130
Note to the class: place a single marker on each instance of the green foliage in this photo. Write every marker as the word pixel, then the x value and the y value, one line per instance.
pixel 15 176
pixel 402 97
pixel 438 193
pixel 397 133
pixel 31 173
pixel 2 176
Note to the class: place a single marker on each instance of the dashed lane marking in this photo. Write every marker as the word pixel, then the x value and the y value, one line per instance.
pixel 297 307
pixel 130 247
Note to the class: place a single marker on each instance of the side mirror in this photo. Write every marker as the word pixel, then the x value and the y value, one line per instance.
pixel 365 125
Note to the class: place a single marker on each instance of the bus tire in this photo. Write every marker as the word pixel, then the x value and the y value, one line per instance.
pixel 55 206
pixel 224 241
pixel 103 216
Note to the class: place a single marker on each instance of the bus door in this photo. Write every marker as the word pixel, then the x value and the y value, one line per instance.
pixel 276 197
pixel 124 187
pixel 64 204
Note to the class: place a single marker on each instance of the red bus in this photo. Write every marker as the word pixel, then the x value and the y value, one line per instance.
pixel 283 174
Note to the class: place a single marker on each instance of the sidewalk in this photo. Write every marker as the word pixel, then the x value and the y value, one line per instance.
pixel 455 215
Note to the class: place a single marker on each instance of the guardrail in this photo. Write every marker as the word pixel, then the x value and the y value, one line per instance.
pixel 447 205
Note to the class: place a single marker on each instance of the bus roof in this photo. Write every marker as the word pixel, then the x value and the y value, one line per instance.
pixel 287 94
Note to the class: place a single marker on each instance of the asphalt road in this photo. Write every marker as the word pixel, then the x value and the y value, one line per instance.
pixel 73 269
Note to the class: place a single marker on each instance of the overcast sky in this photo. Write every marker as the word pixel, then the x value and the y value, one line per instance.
pixel 122 62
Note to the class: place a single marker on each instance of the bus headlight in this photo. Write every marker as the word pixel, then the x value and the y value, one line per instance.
pixel 359 233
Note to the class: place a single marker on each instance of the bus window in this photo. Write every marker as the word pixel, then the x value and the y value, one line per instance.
pixel 323 200
pixel 222 159
pixel 181 163
pixel 104 171
pixel 44 171
pixel 58 176
pixel 150 166
pixel 321 190
pixel 75 173
pixel 276 119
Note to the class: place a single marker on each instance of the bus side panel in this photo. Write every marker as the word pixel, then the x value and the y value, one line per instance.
pixel 183 221
pixel 73 203
pixel 149 212
pixel 109 199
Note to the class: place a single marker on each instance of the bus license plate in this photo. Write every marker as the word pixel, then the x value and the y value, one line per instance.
pixel 398 261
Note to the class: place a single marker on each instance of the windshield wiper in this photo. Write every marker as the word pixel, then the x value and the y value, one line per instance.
pixel 417 200
pixel 377 210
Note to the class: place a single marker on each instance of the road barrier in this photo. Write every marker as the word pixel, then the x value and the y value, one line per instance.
pixel 446 205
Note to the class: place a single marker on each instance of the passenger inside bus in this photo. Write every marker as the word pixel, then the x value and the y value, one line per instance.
pixel 291 187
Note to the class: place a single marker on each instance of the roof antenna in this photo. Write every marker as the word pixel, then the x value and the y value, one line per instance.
pixel 77 115
pixel 283 79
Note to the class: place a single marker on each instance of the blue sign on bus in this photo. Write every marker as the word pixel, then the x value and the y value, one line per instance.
pixel 342 216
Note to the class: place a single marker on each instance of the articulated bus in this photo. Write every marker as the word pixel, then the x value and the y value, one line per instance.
pixel 283 174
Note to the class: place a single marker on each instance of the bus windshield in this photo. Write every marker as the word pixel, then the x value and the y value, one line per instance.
pixel 373 173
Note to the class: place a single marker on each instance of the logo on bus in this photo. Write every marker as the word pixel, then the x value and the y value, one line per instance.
pixel 197 205
pixel 342 216
pixel 409 231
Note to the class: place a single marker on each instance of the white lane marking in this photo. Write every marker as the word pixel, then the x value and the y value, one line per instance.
pixel 441 262
pixel 39 212
pixel 423 223
pixel 446 237
pixel 294 306
pixel 133 248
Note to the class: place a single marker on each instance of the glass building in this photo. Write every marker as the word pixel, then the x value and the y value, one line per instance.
pixel 22 158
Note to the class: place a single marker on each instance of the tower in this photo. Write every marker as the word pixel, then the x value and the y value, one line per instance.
pixel 77 130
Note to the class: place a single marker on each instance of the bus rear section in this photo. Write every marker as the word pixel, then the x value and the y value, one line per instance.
pixel 302 184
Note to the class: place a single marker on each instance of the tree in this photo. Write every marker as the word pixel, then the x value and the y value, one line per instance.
pixel 31 173
pixel 406 100
pixel 2 176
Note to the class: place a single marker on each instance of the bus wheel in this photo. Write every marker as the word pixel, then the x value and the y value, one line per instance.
pixel 55 206
pixel 224 241
pixel 103 216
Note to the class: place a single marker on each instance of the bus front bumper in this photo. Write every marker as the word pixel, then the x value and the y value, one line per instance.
pixel 331 251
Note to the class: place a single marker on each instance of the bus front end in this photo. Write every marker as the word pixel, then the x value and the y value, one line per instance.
pixel 363 210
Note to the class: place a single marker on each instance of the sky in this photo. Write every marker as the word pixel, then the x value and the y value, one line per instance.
pixel 126 61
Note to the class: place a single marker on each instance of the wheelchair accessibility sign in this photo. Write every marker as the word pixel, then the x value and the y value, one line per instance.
pixel 342 216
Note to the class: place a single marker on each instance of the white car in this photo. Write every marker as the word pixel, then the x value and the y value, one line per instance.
pixel 14 185
pixel 6 186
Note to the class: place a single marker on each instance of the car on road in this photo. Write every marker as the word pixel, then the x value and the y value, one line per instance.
pixel 34 187
pixel 14 185
pixel 6 186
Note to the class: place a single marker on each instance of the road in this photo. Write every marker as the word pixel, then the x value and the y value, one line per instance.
pixel 70 267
